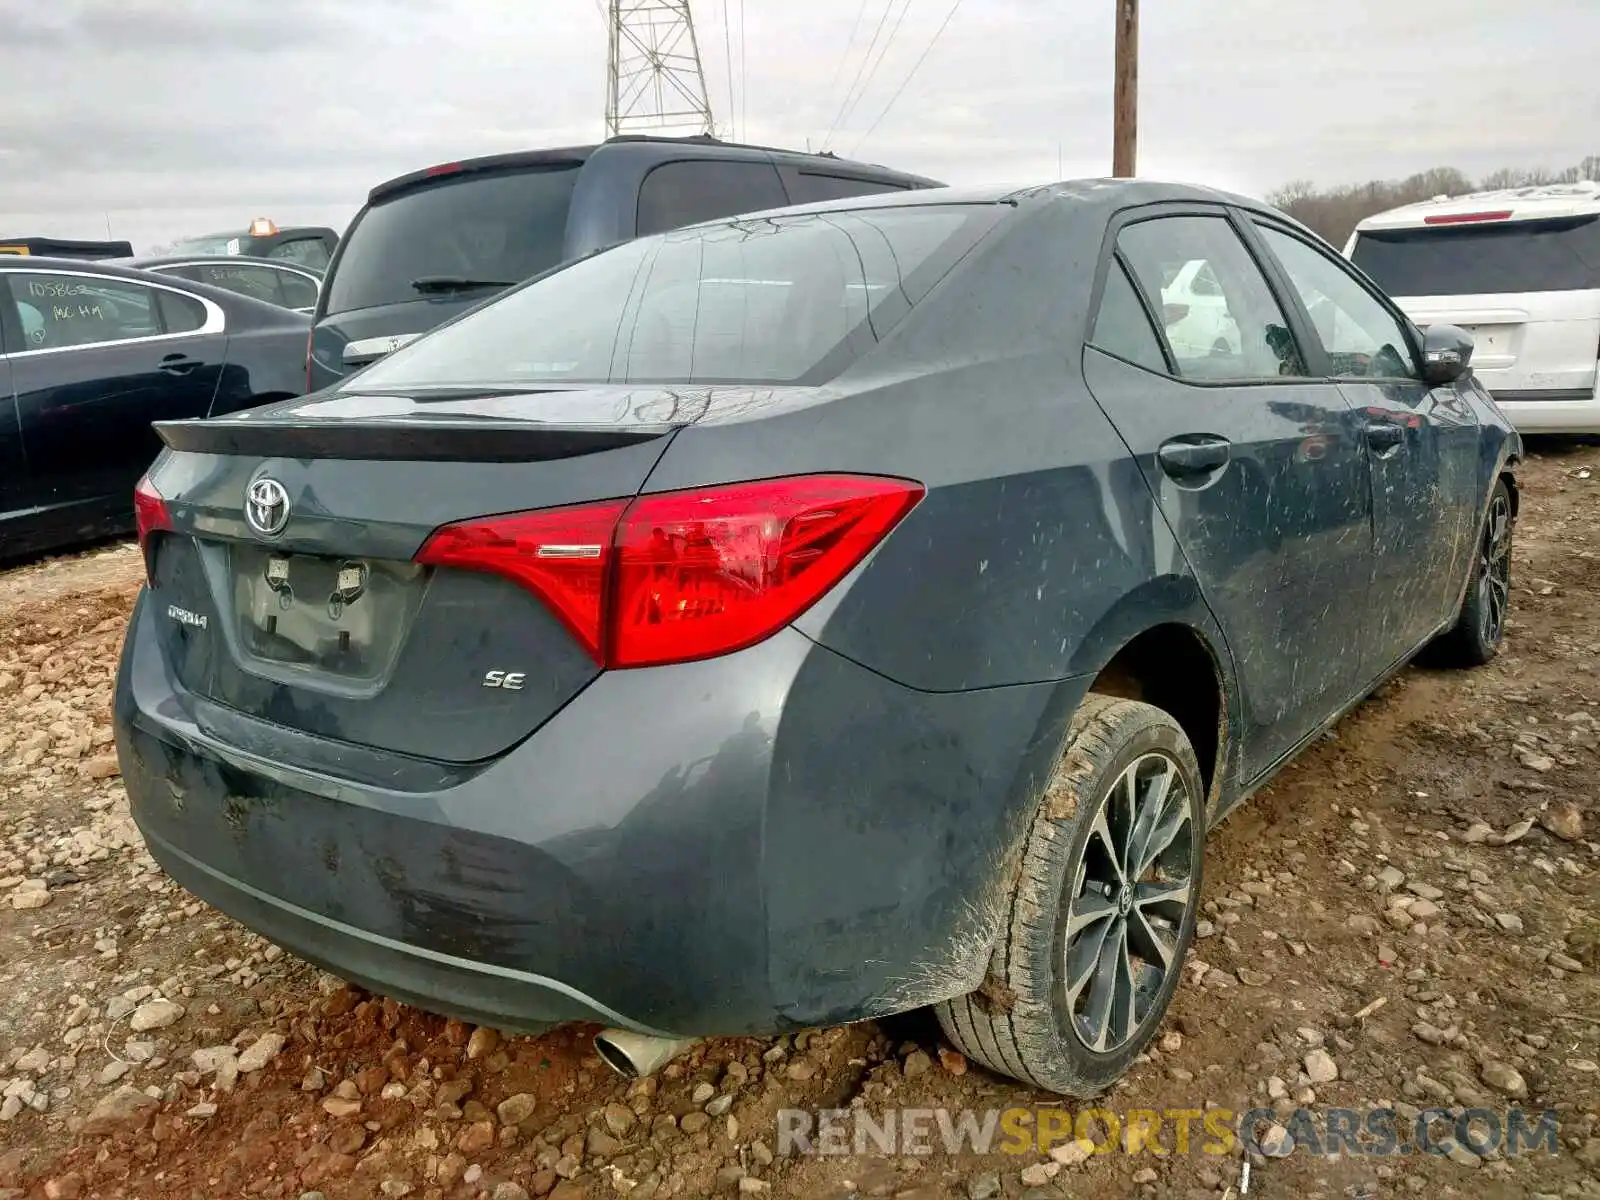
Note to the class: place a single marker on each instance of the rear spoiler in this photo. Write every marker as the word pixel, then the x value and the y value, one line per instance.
pixel 425 440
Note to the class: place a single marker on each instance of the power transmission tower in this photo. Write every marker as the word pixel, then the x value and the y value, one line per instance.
pixel 1125 97
pixel 654 78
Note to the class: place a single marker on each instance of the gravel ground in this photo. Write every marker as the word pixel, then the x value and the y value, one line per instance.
pixel 1410 917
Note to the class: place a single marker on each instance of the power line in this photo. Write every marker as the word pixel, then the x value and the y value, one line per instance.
pixel 744 76
pixel 906 82
pixel 872 71
pixel 850 91
pixel 838 70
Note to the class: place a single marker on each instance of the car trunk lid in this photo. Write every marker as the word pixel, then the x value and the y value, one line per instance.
pixel 289 582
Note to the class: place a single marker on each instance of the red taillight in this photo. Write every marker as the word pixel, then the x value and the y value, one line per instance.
pixel 150 515
pixel 559 554
pixel 684 575
pixel 1500 214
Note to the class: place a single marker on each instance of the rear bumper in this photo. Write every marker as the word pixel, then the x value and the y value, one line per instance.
pixel 1529 413
pixel 771 840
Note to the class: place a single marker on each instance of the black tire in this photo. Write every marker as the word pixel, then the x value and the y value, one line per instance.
pixel 1020 1023
pixel 1481 624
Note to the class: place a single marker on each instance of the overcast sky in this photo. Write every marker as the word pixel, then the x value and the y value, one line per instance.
pixel 169 117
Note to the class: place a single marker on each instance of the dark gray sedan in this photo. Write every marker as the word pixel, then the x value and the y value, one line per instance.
pixel 808 616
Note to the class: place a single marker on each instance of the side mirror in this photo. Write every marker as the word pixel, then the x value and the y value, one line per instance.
pixel 1446 353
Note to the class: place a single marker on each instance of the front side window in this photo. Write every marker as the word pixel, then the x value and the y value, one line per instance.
pixel 769 300
pixel 1237 332
pixel 684 193
pixel 1361 336
pixel 58 311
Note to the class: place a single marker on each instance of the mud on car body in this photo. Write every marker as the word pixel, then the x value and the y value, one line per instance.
pixel 805 616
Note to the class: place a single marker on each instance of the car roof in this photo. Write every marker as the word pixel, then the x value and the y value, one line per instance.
pixel 218 260
pixel 577 155
pixel 1543 201
pixel 1106 194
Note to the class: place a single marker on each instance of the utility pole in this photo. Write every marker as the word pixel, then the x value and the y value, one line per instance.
pixel 654 78
pixel 1125 97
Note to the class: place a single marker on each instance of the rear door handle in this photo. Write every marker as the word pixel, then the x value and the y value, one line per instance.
pixel 1186 458
pixel 179 364
pixel 1381 435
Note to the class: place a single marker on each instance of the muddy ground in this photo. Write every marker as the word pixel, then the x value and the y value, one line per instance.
pixel 1413 910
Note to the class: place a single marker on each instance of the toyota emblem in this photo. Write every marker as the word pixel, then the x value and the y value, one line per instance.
pixel 266 507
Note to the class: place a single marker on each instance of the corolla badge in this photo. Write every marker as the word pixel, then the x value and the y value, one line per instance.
pixel 266 507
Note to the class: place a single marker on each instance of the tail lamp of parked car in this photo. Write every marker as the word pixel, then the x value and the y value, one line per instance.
pixel 150 516
pixel 686 575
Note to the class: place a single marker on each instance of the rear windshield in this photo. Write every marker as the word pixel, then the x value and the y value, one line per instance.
pixel 770 299
pixel 1466 260
pixel 478 229
pixel 217 243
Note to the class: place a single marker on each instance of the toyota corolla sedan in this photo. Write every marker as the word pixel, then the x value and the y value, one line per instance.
pixel 805 617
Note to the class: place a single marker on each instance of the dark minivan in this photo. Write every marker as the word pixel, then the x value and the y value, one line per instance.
pixel 429 245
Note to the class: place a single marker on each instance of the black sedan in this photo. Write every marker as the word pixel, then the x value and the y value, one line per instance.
pixel 808 616
pixel 90 355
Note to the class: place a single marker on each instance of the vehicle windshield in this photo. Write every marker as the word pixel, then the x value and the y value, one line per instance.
pixel 1560 255
pixel 485 229
pixel 215 243
pixel 783 299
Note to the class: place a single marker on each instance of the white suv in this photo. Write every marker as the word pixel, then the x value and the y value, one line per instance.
pixel 1519 269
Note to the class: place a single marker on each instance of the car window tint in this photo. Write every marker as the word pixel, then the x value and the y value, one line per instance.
pixel 1361 336
pixel 1122 327
pixel 810 187
pixel 180 314
pixel 56 311
pixel 497 227
pixel 1238 332
pixel 776 299
pixel 297 290
pixel 257 282
pixel 308 252
pixel 683 193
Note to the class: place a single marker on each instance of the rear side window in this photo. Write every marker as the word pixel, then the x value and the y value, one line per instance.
pixel 776 300
pixel 297 290
pixel 180 314
pixel 473 231
pixel 1472 260
pixel 1122 327
pixel 811 187
pixel 1230 327
pixel 684 193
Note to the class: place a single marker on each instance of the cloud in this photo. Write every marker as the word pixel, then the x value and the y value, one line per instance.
pixel 179 116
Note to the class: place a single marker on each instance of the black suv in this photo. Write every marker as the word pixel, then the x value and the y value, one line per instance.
pixel 430 245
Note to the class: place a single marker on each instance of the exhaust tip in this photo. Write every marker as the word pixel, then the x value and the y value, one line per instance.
pixel 636 1055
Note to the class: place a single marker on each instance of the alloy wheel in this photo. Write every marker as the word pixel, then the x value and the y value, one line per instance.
pixel 1130 899
pixel 1494 571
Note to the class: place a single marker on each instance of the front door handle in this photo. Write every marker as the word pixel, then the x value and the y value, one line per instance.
pixel 178 364
pixel 1381 435
pixel 1186 458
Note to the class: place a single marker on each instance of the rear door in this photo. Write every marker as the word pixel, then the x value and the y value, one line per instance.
pixel 1256 466
pixel 105 356
pixel 1422 446
pixel 1528 291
